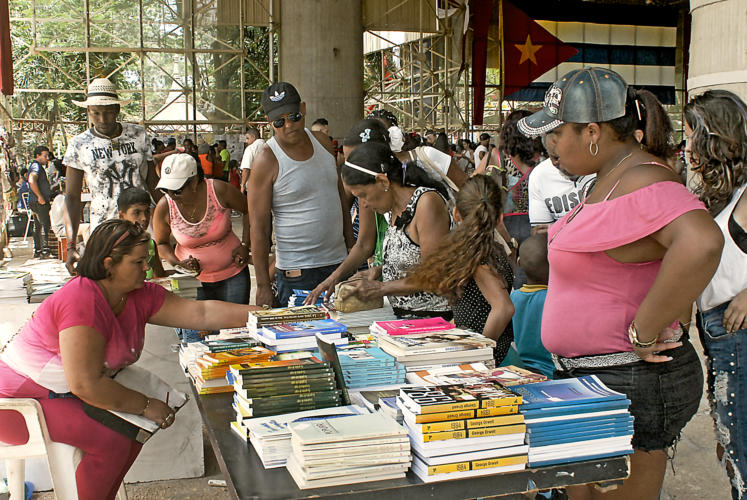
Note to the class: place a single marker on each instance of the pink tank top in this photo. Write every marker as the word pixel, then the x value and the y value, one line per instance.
pixel 211 240
pixel 591 297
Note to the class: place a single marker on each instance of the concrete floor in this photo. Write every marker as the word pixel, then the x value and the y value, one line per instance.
pixel 694 475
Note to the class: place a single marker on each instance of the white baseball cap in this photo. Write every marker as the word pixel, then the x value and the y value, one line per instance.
pixel 176 170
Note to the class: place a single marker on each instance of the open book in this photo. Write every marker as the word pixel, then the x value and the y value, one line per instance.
pixel 137 427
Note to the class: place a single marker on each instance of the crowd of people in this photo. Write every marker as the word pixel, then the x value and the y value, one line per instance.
pixel 573 243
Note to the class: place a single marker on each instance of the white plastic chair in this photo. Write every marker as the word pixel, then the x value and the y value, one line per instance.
pixel 63 459
pixel 29 213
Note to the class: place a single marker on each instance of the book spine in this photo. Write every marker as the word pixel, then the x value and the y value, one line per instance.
pixel 439 417
pixel 497 410
pixel 289 378
pixel 506 401
pixel 447 407
pixel 476 465
pixel 293 399
pixel 474 433
pixel 272 370
pixel 472 423
pixel 270 392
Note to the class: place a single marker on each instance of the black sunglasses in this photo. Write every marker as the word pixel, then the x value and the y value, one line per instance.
pixel 293 117
pixel 175 192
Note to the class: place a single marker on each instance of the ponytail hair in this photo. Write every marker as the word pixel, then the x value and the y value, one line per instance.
pixel 718 119
pixel 643 111
pixel 472 243
pixel 377 158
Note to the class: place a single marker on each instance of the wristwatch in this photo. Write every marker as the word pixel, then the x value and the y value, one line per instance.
pixel 633 336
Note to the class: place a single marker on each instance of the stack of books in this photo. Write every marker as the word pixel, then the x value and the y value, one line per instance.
pixel 425 351
pixel 189 352
pixel 367 367
pixel 475 373
pixel 282 386
pixel 346 450
pixel 271 437
pixel 181 284
pixel 571 420
pixel 15 287
pixel 48 276
pixel 298 296
pixel 301 336
pixel 410 326
pixel 280 315
pixel 208 372
pixel 463 430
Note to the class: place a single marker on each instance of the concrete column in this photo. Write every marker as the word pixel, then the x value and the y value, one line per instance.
pixel 321 54
pixel 718 46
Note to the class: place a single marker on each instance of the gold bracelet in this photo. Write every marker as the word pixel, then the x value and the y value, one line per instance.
pixel 147 404
pixel 633 336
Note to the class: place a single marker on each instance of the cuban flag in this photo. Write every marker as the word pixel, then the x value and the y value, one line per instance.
pixel 619 39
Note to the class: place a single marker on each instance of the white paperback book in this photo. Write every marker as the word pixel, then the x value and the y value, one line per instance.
pixel 346 429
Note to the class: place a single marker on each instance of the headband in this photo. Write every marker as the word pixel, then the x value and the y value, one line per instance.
pixel 121 239
pixel 361 169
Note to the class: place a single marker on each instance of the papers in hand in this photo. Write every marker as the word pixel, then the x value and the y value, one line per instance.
pixel 138 427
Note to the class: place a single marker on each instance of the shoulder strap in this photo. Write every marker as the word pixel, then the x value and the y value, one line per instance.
pixel 430 167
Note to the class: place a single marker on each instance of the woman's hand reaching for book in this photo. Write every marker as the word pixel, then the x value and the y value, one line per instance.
pixel 366 289
pixel 160 413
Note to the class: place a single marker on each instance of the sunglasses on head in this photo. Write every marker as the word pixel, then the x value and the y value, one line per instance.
pixel 293 117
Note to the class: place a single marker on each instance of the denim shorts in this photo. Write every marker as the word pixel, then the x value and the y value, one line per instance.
pixel 663 396
pixel 727 391
pixel 308 279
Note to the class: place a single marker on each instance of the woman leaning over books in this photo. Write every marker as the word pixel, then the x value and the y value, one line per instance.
pixel 81 336
pixel 625 264
pixel 716 134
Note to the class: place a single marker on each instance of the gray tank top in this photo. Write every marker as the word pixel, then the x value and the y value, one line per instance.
pixel 306 210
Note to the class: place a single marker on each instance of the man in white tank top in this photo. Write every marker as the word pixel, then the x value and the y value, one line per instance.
pixel 295 188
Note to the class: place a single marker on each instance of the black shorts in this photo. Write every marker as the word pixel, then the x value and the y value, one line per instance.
pixel 663 396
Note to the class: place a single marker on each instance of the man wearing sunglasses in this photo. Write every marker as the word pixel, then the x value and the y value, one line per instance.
pixel 296 190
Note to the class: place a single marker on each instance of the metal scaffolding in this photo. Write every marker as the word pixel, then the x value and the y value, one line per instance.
pixel 424 79
pixel 189 66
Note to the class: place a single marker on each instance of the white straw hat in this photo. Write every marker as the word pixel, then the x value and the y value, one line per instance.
pixel 101 92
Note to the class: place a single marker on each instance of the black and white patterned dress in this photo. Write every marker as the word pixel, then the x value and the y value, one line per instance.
pixel 400 254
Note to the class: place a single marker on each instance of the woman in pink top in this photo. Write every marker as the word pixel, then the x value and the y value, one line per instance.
pixel 81 336
pixel 625 264
pixel 197 213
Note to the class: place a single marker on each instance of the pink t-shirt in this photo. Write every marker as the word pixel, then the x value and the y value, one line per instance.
pixel 32 358
pixel 592 298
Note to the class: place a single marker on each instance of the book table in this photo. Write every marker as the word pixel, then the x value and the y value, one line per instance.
pixel 246 478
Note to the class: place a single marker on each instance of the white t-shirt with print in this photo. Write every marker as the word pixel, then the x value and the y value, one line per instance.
pixel 552 194
pixel 478 151
pixel 251 152
pixel 110 170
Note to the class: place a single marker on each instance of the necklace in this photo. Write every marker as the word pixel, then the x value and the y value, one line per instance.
pixel 618 164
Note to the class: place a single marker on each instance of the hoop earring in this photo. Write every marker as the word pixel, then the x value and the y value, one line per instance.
pixel 595 150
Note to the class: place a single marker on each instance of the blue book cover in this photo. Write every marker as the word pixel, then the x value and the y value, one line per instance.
pixel 302 329
pixel 584 458
pixel 558 426
pixel 364 357
pixel 574 437
pixel 553 411
pixel 564 392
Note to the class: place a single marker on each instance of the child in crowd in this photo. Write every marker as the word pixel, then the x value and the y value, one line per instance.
pixel 471 268
pixel 133 205
pixel 234 177
pixel 529 301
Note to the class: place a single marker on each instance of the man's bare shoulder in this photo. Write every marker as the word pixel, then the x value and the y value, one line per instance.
pixel 265 164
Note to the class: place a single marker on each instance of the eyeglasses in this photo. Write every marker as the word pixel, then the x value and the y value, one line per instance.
pixel 293 117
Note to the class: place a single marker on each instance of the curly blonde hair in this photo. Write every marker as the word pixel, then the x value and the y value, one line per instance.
pixel 718 119
pixel 448 269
